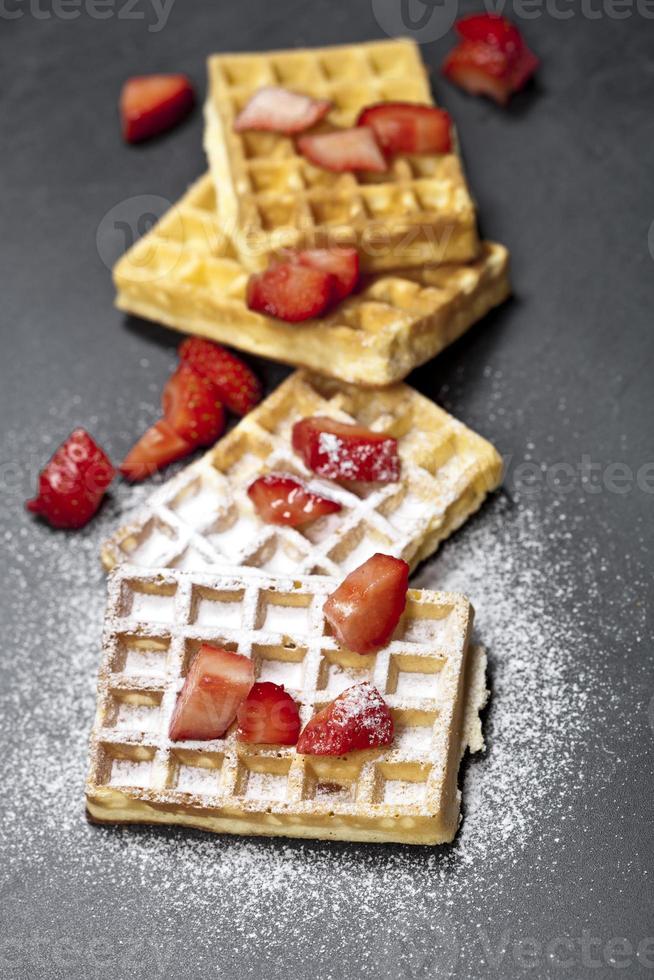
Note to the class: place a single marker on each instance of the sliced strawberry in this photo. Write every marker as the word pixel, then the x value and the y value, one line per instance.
pixel 491 29
pixel 492 59
pixel 344 149
pixel 156 448
pixel 341 262
pixel 217 683
pixel 280 499
pixel 73 483
pixel 366 607
pixel 269 715
pixel 342 451
pixel 151 104
pixel 404 127
pixel 279 110
pixel 359 718
pixel 291 292
pixel 191 405
pixel 238 387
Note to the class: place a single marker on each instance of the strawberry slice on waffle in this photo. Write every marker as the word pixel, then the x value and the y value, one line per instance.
pixel 217 683
pixel 359 718
pixel 279 110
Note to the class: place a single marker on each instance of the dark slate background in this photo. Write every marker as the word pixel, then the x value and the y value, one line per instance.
pixel 564 178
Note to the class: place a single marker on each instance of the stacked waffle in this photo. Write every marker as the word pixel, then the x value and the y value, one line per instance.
pixel 197 564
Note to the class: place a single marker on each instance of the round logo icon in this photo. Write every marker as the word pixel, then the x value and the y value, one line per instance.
pixel 127 222
pixel 422 20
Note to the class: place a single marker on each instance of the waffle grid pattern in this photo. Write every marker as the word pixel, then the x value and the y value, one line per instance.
pixel 156 622
pixel 270 197
pixel 186 273
pixel 203 518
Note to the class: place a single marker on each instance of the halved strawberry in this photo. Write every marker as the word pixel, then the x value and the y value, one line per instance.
pixel 218 681
pixel 291 291
pixel 269 715
pixel 279 110
pixel 281 499
pixel 157 447
pixel 238 387
pixel 150 104
pixel 191 404
pixel 405 127
pixel 344 149
pixel 492 59
pixel 341 261
pixel 344 451
pixel 366 607
pixel 73 483
pixel 359 718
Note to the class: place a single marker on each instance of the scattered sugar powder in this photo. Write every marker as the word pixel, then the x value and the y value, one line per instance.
pixel 289 901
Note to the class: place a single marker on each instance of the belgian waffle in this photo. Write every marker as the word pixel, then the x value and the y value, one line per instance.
pixel 186 274
pixel 203 517
pixel 406 792
pixel 270 197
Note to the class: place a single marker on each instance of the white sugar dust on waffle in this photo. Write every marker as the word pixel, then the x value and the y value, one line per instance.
pixel 271 197
pixel 203 517
pixel 186 274
pixel 431 680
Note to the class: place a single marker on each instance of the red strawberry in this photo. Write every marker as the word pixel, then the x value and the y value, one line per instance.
pixel 280 499
pixel 238 387
pixel 366 607
pixel 342 451
pixel 73 483
pixel 359 718
pixel 404 127
pixel 344 149
pixel 342 262
pixel 492 59
pixel 280 111
pixel 191 405
pixel 156 448
pixel 216 684
pixel 151 104
pixel 269 715
pixel 291 292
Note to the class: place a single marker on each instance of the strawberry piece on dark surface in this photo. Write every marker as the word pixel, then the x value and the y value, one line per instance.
pixel 73 483
pixel 239 389
pixel 151 104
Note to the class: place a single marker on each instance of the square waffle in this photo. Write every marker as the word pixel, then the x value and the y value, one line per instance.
pixel 186 274
pixel 271 197
pixel 203 517
pixel 406 792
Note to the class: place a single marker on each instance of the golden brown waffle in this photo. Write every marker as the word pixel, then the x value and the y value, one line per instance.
pixel 270 197
pixel 406 792
pixel 203 517
pixel 185 273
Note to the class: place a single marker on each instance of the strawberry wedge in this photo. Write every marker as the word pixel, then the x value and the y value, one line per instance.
pixel 359 718
pixel 366 607
pixel 406 127
pixel 344 150
pixel 217 683
pixel 491 59
pixel 341 451
pixel 157 447
pixel 279 110
pixel 192 406
pixel 341 262
pixel 238 387
pixel 283 500
pixel 151 104
pixel 268 716
pixel 291 292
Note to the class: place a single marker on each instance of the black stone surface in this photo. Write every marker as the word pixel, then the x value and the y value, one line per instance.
pixel 562 373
